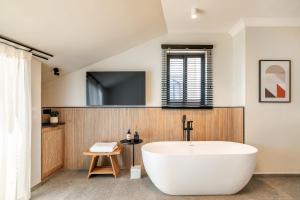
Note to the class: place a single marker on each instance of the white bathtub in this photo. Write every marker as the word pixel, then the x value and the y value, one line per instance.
pixel 199 167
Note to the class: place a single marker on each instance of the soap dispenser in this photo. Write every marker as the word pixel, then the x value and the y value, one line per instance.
pixel 136 137
pixel 128 135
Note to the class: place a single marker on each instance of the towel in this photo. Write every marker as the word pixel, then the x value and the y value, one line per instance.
pixel 103 147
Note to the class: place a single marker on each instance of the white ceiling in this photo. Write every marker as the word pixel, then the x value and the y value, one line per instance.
pixel 81 32
pixel 221 15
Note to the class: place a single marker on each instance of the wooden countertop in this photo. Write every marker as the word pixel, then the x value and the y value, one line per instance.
pixel 49 125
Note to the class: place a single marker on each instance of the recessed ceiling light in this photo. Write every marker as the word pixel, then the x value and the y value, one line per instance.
pixel 194 13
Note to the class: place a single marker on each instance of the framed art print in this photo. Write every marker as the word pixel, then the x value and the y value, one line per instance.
pixel 275 81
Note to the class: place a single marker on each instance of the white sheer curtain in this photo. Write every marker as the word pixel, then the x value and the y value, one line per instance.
pixel 94 92
pixel 15 123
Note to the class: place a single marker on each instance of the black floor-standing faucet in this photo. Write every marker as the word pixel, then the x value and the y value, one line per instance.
pixel 187 128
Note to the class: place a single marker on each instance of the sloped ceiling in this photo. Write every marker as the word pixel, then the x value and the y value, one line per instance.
pixel 81 32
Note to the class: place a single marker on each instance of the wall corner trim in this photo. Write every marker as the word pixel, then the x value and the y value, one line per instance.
pixel 237 27
pixel 242 23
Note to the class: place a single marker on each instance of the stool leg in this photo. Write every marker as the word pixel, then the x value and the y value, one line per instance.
pixel 115 166
pixel 94 162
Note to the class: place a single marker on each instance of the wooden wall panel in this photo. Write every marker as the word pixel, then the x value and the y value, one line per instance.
pixel 85 126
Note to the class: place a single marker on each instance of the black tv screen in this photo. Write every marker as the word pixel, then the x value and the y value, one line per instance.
pixel 115 88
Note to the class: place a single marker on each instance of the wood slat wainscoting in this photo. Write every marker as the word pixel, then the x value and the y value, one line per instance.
pixel 85 126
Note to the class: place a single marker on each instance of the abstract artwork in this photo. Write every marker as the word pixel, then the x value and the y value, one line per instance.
pixel 275 81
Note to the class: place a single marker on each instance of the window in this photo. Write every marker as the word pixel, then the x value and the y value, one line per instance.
pixel 187 76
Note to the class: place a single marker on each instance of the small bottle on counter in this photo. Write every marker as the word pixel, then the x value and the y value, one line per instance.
pixel 136 137
pixel 128 135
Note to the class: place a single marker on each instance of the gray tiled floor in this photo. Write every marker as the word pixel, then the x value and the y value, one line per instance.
pixel 74 185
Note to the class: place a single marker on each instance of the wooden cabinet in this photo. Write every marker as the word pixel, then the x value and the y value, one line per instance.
pixel 52 149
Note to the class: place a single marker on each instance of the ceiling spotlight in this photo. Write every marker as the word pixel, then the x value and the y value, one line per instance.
pixel 56 71
pixel 194 13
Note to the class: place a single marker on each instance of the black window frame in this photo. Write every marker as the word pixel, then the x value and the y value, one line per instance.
pixel 206 78
pixel 185 102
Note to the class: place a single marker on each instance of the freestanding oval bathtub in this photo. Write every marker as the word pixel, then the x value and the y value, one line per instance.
pixel 199 167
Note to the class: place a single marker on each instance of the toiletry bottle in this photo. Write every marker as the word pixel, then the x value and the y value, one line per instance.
pixel 128 135
pixel 136 137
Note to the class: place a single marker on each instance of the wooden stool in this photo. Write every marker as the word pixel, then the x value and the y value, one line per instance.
pixel 113 169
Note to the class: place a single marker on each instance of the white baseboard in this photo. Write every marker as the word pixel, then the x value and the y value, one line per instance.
pixel 36 186
pixel 278 173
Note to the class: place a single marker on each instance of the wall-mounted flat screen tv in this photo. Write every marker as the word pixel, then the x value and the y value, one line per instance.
pixel 115 88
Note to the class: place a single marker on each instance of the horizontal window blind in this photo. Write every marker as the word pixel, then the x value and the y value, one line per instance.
pixel 187 76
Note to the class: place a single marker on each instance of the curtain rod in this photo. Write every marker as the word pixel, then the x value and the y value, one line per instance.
pixel 186 46
pixel 30 49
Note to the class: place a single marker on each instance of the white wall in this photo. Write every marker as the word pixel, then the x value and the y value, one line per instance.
pixel 239 68
pixel 273 127
pixel 36 122
pixel 69 90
